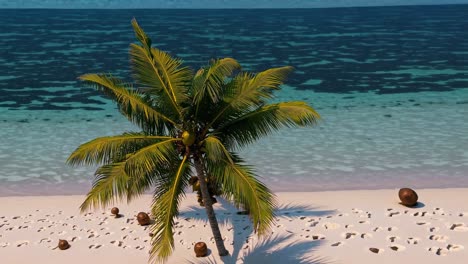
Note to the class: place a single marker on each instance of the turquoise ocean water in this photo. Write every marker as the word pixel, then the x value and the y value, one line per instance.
pixel 391 84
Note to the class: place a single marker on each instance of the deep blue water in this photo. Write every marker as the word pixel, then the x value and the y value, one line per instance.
pixel 378 49
pixel 391 84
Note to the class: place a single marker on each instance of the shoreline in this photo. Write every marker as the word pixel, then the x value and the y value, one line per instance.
pixel 319 227
pixel 30 188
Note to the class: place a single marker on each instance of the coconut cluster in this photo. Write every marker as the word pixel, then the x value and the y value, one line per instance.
pixel 187 142
pixel 213 189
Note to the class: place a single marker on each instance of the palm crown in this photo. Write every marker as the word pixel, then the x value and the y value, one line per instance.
pixel 192 124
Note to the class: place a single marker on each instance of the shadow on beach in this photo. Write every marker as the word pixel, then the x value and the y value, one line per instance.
pixel 275 248
pixel 267 251
pixel 418 205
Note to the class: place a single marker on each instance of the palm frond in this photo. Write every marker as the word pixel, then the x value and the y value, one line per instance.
pixel 105 150
pixel 215 150
pixel 130 102
pixel 251 126
pixel 141 35
pixel 110 185
pixel 247 90
pixel 269 80
pixel 156 178
pixel 146 160
pixel 165 208
pixel 240 185
pixel 210 80
pixel 157 70
pixel 148 166
pixel 128 175
pixel 252 90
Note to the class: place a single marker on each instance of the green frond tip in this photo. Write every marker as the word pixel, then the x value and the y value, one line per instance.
pixel 165 208
pixel 164 78
pixel 264 120
pixel 209 81
pixel 247 91
pixel 141 35
pixel 241 186
pixel 272 78
pixel 110 185
pixel 105 150
pixel 254 89
pixel 130 102
pixel 297 112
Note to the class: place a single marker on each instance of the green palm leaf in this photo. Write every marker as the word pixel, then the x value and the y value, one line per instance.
pixel 215 150
pixel 113 184
pixel 266 119
pixel 241 186
pixel 110 185
pixel 129 175
pixel 146 160
pixel 157 177
pixel 264 83
pixel 252 90
pixel 105 150
pixel 165 208
pixel 247 90
pixel 210 80
pixel 163 75
pixel 130 102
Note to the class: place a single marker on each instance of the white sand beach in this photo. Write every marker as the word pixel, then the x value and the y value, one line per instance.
pixel 368 226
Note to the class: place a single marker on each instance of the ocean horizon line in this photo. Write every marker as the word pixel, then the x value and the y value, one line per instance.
pixel 233 8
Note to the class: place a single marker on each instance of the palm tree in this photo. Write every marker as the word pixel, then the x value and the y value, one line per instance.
pixel 191 125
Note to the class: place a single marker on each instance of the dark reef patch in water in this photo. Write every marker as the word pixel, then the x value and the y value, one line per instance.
pixel 380 49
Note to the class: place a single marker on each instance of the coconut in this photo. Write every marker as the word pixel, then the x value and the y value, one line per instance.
pixel 193 180
pixel 196 186
pixel 115 211
pixel 63 244
pixel 188 138
pixel 408 197
pixel 143 218
pixel 200 249
pixel 200 200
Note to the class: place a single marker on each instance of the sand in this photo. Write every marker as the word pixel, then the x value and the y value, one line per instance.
pixel 313 227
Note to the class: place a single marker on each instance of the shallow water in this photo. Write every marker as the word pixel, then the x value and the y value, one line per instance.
pixel 391 84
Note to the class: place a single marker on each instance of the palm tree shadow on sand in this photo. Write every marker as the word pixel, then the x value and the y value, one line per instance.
pixel 267 251
pixel 291 210
pixel 275 248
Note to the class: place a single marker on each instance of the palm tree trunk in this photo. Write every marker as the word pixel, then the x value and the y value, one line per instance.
pixel 222 251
